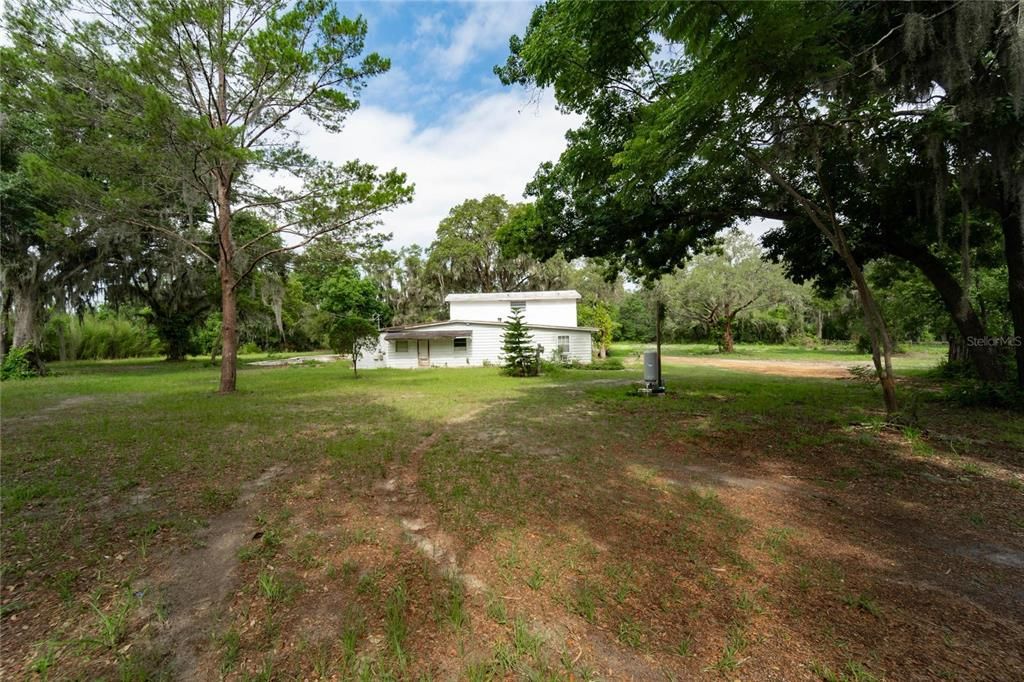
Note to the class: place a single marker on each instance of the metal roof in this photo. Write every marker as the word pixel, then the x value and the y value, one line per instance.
pixel 487 323
pixel 427 334
pixel 514 296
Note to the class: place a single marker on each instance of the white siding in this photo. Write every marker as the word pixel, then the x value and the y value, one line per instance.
pixel 486 311
pixel 560 312
pixel 374 358
pixel 483 347
pixel 579 343
pixel 401 360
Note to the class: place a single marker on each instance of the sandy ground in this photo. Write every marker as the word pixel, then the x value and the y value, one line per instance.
pixel 784 368
pixel 299 360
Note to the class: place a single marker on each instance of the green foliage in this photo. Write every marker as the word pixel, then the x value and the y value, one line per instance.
pixel 519 356
pixel 598 364
pixel 409 283
pixel 206 338
pixel 103 335
pixel 477 250
pixel 636 317
pixel 177 331
pixel 701 116
pixel 176 167
pixel 19 364
pixel 355 312
pixel 975 393
pixel 598 315
pixel 722 286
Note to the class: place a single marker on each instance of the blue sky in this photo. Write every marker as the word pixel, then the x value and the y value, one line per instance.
pixel 441 115
pixel 442 53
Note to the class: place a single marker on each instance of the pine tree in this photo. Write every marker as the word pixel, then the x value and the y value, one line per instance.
pixel 517 346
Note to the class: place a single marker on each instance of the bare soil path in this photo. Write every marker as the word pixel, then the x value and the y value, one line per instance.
pixel 400 497
pixel 195 584
pixel 784 368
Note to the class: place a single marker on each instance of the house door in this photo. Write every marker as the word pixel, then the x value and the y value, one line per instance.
pixel 423 352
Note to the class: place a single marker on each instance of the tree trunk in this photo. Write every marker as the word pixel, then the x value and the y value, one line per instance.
pixel 26 300
pixel 222 176
pixel 984 358
pixel 957 350
pixel 228 299
pixel 727 343
pixel 821 325
pixel 881 343
pixel 1013 241
pixel 228 330
pixel 4 312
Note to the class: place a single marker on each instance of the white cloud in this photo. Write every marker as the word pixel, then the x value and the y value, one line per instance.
pixel 493 146
pixel 486 27
pixel 429 24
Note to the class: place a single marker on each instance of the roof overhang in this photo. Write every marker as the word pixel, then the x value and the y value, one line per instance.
pixel 567 294
pixel 427 334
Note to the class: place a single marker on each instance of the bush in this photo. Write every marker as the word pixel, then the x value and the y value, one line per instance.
pixel 249 348
pixel 953 369
pixel 19 363
pixel 550 368
pixel 980 394
pixel 99 336
pixel 206 338
pixel 554 368
pixel 607 363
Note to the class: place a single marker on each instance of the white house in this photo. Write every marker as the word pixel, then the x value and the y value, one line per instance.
pixel 472 334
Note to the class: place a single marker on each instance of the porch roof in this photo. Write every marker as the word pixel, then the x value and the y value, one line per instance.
pixel 427 334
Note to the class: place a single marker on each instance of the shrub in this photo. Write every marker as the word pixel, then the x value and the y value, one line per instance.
pixel 606 364
pixel 19 363
pixel 249 348
pixel 551 368
pixel 1005 395
pixel 99 336
pixel 953 369
pixel 555 368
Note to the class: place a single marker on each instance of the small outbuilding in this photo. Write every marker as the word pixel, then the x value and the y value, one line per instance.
pixel 472 336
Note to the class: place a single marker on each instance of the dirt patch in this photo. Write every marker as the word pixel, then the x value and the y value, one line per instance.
pixel 70 403
pixel 195 584
pixel 402 499
pixel 782 368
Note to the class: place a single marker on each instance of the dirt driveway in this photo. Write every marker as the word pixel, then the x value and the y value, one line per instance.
pixel 785 368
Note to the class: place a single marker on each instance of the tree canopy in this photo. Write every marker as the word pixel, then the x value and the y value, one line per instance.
pixel 700 116
pixel 218 88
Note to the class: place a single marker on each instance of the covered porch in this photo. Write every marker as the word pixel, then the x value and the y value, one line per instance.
pixel 430 346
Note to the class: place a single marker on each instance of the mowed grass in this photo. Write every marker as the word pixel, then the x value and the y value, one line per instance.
pixel 742 524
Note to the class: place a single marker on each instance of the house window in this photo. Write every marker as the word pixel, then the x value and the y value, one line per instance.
pixel 563 346
pixel 401 346
pixel 519 305
pixel 460 343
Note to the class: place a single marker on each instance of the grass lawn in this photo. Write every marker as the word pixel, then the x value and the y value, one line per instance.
pixel 459 524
